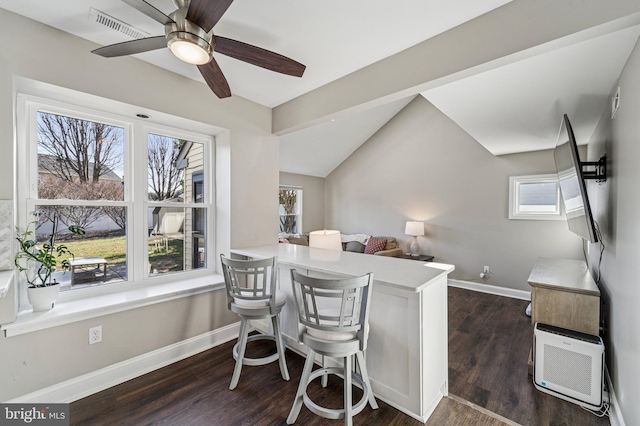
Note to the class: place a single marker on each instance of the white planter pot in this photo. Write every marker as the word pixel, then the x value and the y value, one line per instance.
pixel 43 298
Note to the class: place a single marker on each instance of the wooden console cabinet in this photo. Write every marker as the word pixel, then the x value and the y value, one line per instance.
pixel 564 294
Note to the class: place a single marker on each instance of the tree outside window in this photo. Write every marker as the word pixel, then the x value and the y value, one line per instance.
pixel 290 200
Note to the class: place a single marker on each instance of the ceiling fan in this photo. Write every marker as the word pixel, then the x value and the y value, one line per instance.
pixel 189 36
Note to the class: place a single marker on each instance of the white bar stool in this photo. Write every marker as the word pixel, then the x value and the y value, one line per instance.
pixel 251 293
pixel 333 322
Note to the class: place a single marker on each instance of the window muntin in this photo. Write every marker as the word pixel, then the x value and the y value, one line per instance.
pixel 290 210
pixel 534 197
pixel 117 207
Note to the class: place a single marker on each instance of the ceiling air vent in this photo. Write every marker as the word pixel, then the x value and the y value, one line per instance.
pixel 115 24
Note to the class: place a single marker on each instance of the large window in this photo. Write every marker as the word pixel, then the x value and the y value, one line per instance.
pixel 82 167
pixel 290 200
pixel 534 197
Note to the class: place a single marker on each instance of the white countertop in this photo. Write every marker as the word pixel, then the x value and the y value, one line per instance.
pixel 405 274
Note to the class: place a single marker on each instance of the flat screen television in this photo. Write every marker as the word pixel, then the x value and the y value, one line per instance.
pixel 572 185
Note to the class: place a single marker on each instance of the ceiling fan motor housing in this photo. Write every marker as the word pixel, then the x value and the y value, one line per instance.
pixel 186 34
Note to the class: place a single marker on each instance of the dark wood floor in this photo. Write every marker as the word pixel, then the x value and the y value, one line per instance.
pixel 489 343
pixel 489 340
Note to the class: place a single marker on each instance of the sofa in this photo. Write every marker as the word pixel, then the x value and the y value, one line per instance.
pixel 391 248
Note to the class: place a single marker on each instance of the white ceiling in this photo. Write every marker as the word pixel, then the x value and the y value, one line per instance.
pixel 518 107
pixel 515 108
pixel 331 37
pixel 317 150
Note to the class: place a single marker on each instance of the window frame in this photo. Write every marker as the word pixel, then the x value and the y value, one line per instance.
pixel 514 198
pixel 207 204
pixel 135 187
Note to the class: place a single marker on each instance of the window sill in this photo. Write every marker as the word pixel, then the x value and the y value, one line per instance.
pixel 70 311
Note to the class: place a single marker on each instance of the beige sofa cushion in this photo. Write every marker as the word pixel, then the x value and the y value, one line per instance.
pixel 391 242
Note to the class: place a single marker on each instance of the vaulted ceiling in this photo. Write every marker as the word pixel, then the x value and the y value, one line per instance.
pixel 513 105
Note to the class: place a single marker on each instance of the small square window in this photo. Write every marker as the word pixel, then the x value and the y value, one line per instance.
pixel 534 197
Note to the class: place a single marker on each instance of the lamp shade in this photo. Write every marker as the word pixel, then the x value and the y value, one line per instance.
pixel 325 239
pixel 414 228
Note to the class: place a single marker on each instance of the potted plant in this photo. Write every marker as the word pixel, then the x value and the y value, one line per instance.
pixel 38 263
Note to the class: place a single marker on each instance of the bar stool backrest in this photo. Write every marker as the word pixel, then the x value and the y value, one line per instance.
pixel 335 308
pixel 250 282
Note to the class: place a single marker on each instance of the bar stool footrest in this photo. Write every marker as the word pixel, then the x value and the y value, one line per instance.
pixel 257 361
pixel 329 413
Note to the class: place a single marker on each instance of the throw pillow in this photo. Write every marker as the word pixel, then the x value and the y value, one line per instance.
pixel 354 246
pixel 391 242
pixel 375 245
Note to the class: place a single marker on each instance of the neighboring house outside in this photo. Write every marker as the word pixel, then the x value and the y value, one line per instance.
pixel 46 169
pixel 47 164
pixel 190 159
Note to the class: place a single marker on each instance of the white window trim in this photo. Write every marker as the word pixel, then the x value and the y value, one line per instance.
pixel 185 283
pixel 516 181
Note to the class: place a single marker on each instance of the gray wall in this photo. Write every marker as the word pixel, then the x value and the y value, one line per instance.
pixel 247 184
pixel 616 207
pixel 312 199
pixel 422 166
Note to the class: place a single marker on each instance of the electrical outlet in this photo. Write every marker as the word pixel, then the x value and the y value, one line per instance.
pixel 95 335
pixel 486 270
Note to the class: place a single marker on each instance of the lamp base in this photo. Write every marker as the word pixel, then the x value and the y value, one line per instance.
pixel 415 247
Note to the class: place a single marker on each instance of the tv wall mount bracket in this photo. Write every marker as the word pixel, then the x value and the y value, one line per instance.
pixel 599 172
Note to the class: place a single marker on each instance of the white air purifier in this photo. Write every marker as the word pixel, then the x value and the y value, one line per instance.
pixel 569 365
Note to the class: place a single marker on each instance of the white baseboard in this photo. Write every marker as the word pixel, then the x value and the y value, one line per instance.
pixel 491 289
pixel 104 378
pixel 615 416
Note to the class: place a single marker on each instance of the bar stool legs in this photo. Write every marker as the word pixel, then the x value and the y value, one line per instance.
pixel 363 372
pixel 240 348
pixel 280 346
pixel 348 373
pixel 302 388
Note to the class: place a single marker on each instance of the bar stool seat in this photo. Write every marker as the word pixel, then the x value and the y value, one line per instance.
pixel 333 322
pixel 251 293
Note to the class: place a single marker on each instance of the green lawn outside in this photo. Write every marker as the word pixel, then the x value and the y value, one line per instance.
pixel 113 250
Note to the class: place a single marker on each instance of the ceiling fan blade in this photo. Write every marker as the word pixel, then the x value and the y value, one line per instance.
pixel 258 56
pixel 149 10
pixel 215 79
pixel 207 13
pixel 132 47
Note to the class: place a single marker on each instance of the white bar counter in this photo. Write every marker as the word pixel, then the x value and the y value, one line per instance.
pixel 407 347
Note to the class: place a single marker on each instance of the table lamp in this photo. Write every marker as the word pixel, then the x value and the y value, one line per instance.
pixel 414 228
pixel 325 239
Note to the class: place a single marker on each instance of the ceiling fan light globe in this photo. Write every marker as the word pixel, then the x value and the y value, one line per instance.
pixel 189 48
